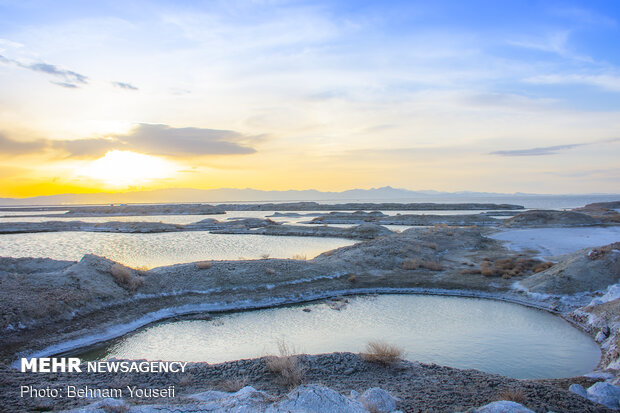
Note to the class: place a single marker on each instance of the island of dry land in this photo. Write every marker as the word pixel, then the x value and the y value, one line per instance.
pixel 49 307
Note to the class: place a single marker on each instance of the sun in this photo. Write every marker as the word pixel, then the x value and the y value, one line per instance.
pixel 125 168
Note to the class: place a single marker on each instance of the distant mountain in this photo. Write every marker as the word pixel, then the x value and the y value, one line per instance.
pixel 181 195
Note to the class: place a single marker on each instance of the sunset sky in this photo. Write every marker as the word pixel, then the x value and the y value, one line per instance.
pixel 498 96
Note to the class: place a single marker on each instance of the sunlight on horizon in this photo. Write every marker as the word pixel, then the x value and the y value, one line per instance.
pixel 124 168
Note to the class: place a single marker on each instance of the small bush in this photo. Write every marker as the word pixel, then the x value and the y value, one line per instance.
pixel 204 265
pixel 264 256
pixel 352 278
pixel 381 352
pixel 233 385
pixel 125 277
pixel 469 271
pixel 511 267
pixel 542 266
pixel 287 366
pixel 416 263
pixel 299 257
pixel 512 395
pixel 270 271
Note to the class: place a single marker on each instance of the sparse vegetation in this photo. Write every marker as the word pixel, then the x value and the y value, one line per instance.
pixel 509 267
pixel 126 277
pixel 270 271
pixel 352 278
pixel 417 263
pixel 204 265
pixel 597 253
pixel 264 256
pixel 233 385
pixel 287 366
pixel 299 257
pixel 512 395
pixel 381 352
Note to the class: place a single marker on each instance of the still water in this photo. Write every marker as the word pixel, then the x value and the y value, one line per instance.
pixel 492 336
pixel 153 250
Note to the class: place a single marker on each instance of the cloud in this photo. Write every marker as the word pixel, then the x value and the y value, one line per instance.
pixel 124 85
pixel 548 150
pixel 161 140
pixel 68 78
pixel 12 147
pixel 169 141
pixel 604 81
pixel 86 148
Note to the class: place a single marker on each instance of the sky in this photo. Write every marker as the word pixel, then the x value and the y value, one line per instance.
pixel 499 96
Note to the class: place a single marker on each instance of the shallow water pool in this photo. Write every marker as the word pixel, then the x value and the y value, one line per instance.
pixel 492 336
pixel 153 250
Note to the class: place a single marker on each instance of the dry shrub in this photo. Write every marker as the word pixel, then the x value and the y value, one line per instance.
pixel 542 266
pixel 381 352
pixel 352 278
pixel 270 271
pixel 416 263
pixel 469 271
pixel 264 256
pixel 186 380
pixel 204 265
pixel 512 267
pixel 125 277
pixel 299 257
pixel 512 395
pixel 233 385
pixel 287 366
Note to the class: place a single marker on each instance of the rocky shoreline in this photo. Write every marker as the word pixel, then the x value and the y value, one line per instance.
pixel 50 306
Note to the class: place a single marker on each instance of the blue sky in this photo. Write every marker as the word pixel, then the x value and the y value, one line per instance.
pixel 480 95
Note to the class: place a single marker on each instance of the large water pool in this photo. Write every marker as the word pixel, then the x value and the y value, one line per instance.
pixel 492 336
pixel 152 250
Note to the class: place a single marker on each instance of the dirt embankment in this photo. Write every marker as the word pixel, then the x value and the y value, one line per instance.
pixel 541 218
pixel 380 218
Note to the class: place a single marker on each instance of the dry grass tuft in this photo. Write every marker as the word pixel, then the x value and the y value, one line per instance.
pixel 416 263
pixel 541 267
pixel 299 257
pixel 352 278
pixel 287 366
pixel 264 256
pixel 233 385
pixel 512 395
pixel 378 351
pixel 512 267
pixel 126 277
pixel 204 265
pixel 270 271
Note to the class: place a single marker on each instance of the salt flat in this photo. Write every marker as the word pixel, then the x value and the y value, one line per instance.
pixel 558 241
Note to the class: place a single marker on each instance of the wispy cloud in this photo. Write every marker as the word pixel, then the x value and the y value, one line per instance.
pixel 548 150
pixel 68 78
pixel 609 81
pixel 124 85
